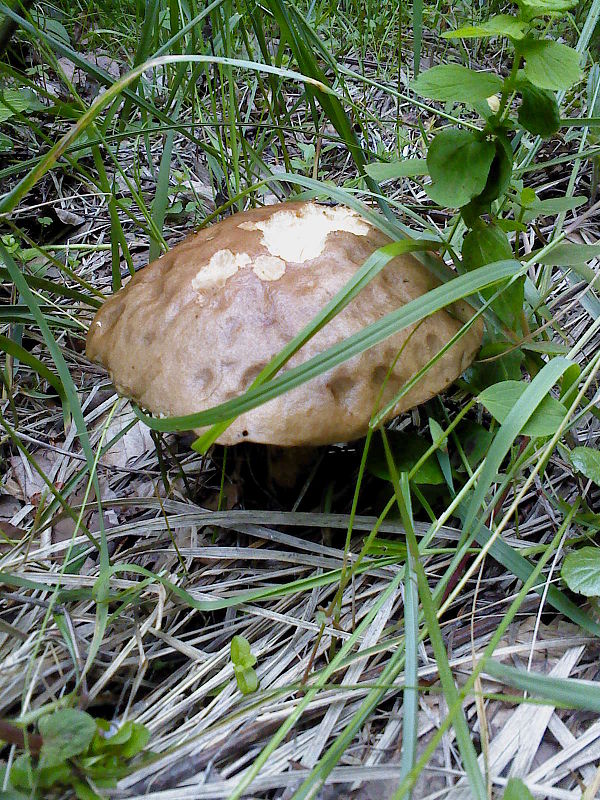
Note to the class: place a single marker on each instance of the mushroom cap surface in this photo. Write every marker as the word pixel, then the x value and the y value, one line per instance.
pixel 194 328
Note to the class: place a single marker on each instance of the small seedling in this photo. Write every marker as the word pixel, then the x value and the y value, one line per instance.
pixel 243 662
pixel 77 751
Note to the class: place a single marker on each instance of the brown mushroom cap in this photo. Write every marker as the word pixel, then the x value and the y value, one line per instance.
pixel 195 327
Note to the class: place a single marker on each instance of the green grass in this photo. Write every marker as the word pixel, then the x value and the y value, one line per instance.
pixel 219 106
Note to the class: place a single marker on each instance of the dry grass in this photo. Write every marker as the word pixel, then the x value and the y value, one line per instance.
pixel 167 664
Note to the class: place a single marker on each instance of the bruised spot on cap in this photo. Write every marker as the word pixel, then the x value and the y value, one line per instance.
pixel 219 269
pixel 300 235
pixel 268 268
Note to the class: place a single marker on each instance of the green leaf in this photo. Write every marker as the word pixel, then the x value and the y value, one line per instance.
pixel 138 740
pixel 49 25
pixel 24 775
pixel 500 25
pixel 16 101
pixel 500 171
pixel 500 399
pixel 550 65
pixel 247 680
pixel 484 245
pixel 407 449
pixel 587 461
pixel 407 168
pixel 516 790
pixel 581 571
pixel 65 734
pixel 12 794
pixel 540 8
pixel 21 771
pixel 127 742
pixel 118 738
pixel 569 379
pixel 557 205
pixel 538 112
pixel 57 773
pixel 241 655
pixel 528 197
pixel 567 253
pixel 459 165
pixel 482 374
pixel 84 792
pixel 455 82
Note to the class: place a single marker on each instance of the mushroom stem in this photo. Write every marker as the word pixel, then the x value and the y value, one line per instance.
pixel 287 464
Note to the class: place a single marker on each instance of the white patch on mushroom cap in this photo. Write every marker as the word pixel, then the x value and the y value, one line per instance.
pixel 299 236
pixel 268 268
pixel 221 266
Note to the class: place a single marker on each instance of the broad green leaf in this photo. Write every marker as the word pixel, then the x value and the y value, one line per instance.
pixel 127 742
pixel 12 794
pixel 520 410
pixel 23 771
pixel 500 399
pixel 455 82
pixel 500 25
pixel 138 740
pixel 540 8
pixel 500 171
pixel 567 253
pixel 407 449
pixel 538 112
pixel 587 461
pixel 550 64
pixel 516 790
pixel 17 101
pixel 241 655
pixel 484 245
pixel 459 165
pixel 509 225
pixel 528 197
pixel 407 168
pixel 581 571
pixel 118 738
pixel 65 733
pixel 247 680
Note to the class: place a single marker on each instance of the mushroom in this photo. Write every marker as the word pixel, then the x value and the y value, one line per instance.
pixel 195 327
